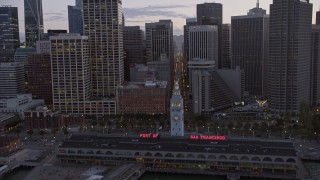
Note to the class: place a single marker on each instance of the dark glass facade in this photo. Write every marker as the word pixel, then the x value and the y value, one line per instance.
pixel 315 66
pixel 75 20
pixel 33 17
pixel 133 48
pixel 9 33
pixel 289 55
pixel 250 36
pixel 211 14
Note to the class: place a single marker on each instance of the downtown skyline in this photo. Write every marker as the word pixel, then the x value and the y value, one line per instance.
pixel 56 14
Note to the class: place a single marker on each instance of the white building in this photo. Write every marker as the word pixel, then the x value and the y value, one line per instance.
pixel 70 68
pixel 19 104
pixel 176 112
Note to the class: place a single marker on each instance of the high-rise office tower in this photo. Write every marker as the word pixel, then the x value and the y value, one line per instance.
pixel 189 22
pixel 315 66
pixel 203 45
pixel 289 55
pixel 159 40
pixel 226 46
pixel 133 48
pixel 70 69
pixel 39 78
pixel 12 79
pixel 75 18
pixel 79 3
pixel 103 26
pixel 211 14
pixel 33 17
pixel 9 33
pixel 318 18
pixel 250 44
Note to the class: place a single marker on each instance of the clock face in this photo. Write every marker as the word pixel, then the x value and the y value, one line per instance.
pixel 176 118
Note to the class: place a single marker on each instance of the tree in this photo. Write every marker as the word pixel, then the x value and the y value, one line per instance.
pixel 264 127
pixel 65 131
pixel 30 132
pixel 255 126
pixel 230 125
pixel 102 124
pixel 94 124
pixel 247 126
pixel 304 115
pixel 42 133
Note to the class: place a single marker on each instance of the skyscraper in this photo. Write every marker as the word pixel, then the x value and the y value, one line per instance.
pixel 318 18
pixel 70 70
pixel 159 40
pixel 103 26
pixel 39 78
pixel 75 18
pixel 289 55
pixel 226 46
pixel 189 22
pixel 33 17
pixel 250 43
pixel 133 48
pixel 211 14
pixel 9 33
pixel 315 66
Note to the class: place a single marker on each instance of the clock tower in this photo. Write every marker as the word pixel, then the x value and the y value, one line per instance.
pixel 177 112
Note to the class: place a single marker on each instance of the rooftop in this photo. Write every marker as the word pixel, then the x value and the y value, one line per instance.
pixel 249 147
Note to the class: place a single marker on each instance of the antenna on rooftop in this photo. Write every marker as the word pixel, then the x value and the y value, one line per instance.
pixel 257 3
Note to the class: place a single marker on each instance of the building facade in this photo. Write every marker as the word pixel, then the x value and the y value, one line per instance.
pixel 318 18
pixel 289 55
pixel 39 77
pixel 211 14
pixel 33 17
pixel 226 46
pixel 133 48
pixel 12 79
pixel 75 18
pixel 9 33
pixel 159 40
pixel 19 104
pixel 203 49
pixel 197 154
pixel 176 112
pixel 104 28
pixel 70 71
pixel 250 49
pixel 43 47
pixel 315 66
pixel 149 98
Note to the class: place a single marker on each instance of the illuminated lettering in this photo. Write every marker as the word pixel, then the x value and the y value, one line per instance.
pixel 209 138
pixel 194 137
pixel 149 136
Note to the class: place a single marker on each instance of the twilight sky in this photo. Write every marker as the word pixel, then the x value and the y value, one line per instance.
pixel 138 12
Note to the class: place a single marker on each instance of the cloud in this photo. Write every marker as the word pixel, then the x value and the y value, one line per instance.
pixel 157 10
pixel 53 14
pixel 55 18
